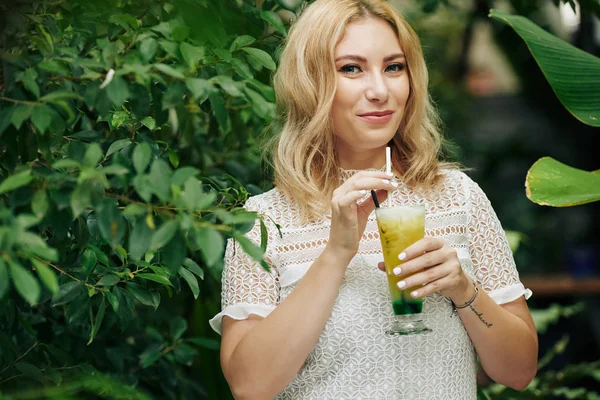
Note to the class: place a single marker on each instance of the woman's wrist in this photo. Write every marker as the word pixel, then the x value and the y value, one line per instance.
pixel 337 255
pixel 464 292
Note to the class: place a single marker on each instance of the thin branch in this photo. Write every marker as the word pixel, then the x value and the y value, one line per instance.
pixel 30 103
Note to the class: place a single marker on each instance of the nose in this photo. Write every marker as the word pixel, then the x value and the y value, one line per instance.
pixel 377 89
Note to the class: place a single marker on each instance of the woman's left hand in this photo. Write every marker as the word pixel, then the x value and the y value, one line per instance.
pixel 436 268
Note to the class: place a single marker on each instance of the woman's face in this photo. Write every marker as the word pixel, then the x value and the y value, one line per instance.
pixel 372 86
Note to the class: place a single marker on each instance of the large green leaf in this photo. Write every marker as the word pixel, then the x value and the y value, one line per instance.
pixel 552 183
pixel 25 283
pixel 573 74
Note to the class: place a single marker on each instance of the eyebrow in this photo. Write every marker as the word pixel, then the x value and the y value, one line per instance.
pixel 356 58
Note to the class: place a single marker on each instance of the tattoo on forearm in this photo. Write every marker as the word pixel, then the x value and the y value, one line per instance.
pixel 480 316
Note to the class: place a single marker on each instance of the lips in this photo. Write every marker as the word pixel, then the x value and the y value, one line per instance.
pixel 377 117
pixel 376 113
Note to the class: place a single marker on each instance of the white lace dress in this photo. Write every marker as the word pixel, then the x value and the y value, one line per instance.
pixel 354 358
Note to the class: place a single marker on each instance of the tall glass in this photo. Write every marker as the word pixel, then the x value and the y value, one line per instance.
pixel 400 227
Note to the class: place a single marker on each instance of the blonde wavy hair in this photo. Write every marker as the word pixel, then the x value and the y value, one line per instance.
pixel 306 168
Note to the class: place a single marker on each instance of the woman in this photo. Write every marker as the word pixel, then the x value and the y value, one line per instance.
pixel 351 80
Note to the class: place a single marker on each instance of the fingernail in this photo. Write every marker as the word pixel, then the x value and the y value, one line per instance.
pixel 386 181
pixel 363 192
pixel 402 256
pixel 395 184
pixel 401 284
pixel 397 271
pixel 389 173
pixel 414 294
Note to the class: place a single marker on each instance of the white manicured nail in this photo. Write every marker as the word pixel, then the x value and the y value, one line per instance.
pixel 401 284
pixel 397 271
pixel 395 184
pixel 414 294
pixel 402 256
pixel 386 181
pixel 389 174
pixel 363 192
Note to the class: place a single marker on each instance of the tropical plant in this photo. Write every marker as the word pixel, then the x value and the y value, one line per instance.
pixel 573 75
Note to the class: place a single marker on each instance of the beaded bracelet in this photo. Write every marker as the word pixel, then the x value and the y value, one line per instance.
pixel 468 303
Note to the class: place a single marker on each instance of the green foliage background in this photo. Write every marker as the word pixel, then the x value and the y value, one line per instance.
pixel 130 138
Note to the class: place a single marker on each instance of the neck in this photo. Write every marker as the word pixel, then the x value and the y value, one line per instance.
pixel 351 158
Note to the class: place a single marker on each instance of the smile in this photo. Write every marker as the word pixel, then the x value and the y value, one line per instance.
pixel 377 119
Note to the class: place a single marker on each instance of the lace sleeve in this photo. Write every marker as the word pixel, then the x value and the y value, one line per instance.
pixel 494 265
pixel 247 288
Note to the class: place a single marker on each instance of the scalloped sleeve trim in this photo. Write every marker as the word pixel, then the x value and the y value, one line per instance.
pixel 510 293
pixel 239 311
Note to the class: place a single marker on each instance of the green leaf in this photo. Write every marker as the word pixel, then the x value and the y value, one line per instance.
pixel 134 209
pixel 88 261
pixel 173 159
pixel 46 275
pixel 191 54
pixel 113 300
pixel 66 163
pixel 20 114
pixel 199 88
pixel 93 155
pixel 97 321
pixel 220 112
pixel 110 222
pixel 191 281
pixel 139 239
pixel 29 80
pixel 117 145
pixel 30 371
pixel 211 243
pixel 149 357
pixel 241 41
pixel 164 234
pixel 140 294
pixel 25 283
pixel 181 175
pixel 3 278
pixel 15 181
pixel 178 327
pixel 274 19
pixel 67 292
pixel 41 118
pixel 160 175
pixel 149 123
pixel 34 244
pixel 118 91
pixel 260 106
pixel 173 253
pixel 119 118
pixel 60 95
pixel 148 49
pixel 242 68
pixel 552 183
pixel 141 157
pixel 192 266
pixel 155 278
pixel 170 71
pixel 108 280
pixel 264 236
pixel 81 198
pixel 572 73
pixel 39 203
pixel 261 57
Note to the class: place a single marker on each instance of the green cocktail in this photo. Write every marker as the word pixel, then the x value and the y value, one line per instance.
pixel 400 227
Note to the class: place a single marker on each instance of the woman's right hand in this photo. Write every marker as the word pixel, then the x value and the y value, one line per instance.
pixel 349 218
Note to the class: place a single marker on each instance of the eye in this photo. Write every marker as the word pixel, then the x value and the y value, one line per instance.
pixel 396 67
pixel 350 69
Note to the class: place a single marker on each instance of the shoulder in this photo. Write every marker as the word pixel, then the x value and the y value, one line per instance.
pixel 457 180
pixel 269 202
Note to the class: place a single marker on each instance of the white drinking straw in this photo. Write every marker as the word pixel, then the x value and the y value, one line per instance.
pixel 388 169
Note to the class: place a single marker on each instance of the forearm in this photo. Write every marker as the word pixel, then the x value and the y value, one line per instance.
pixel 506 345
pixel 269 356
